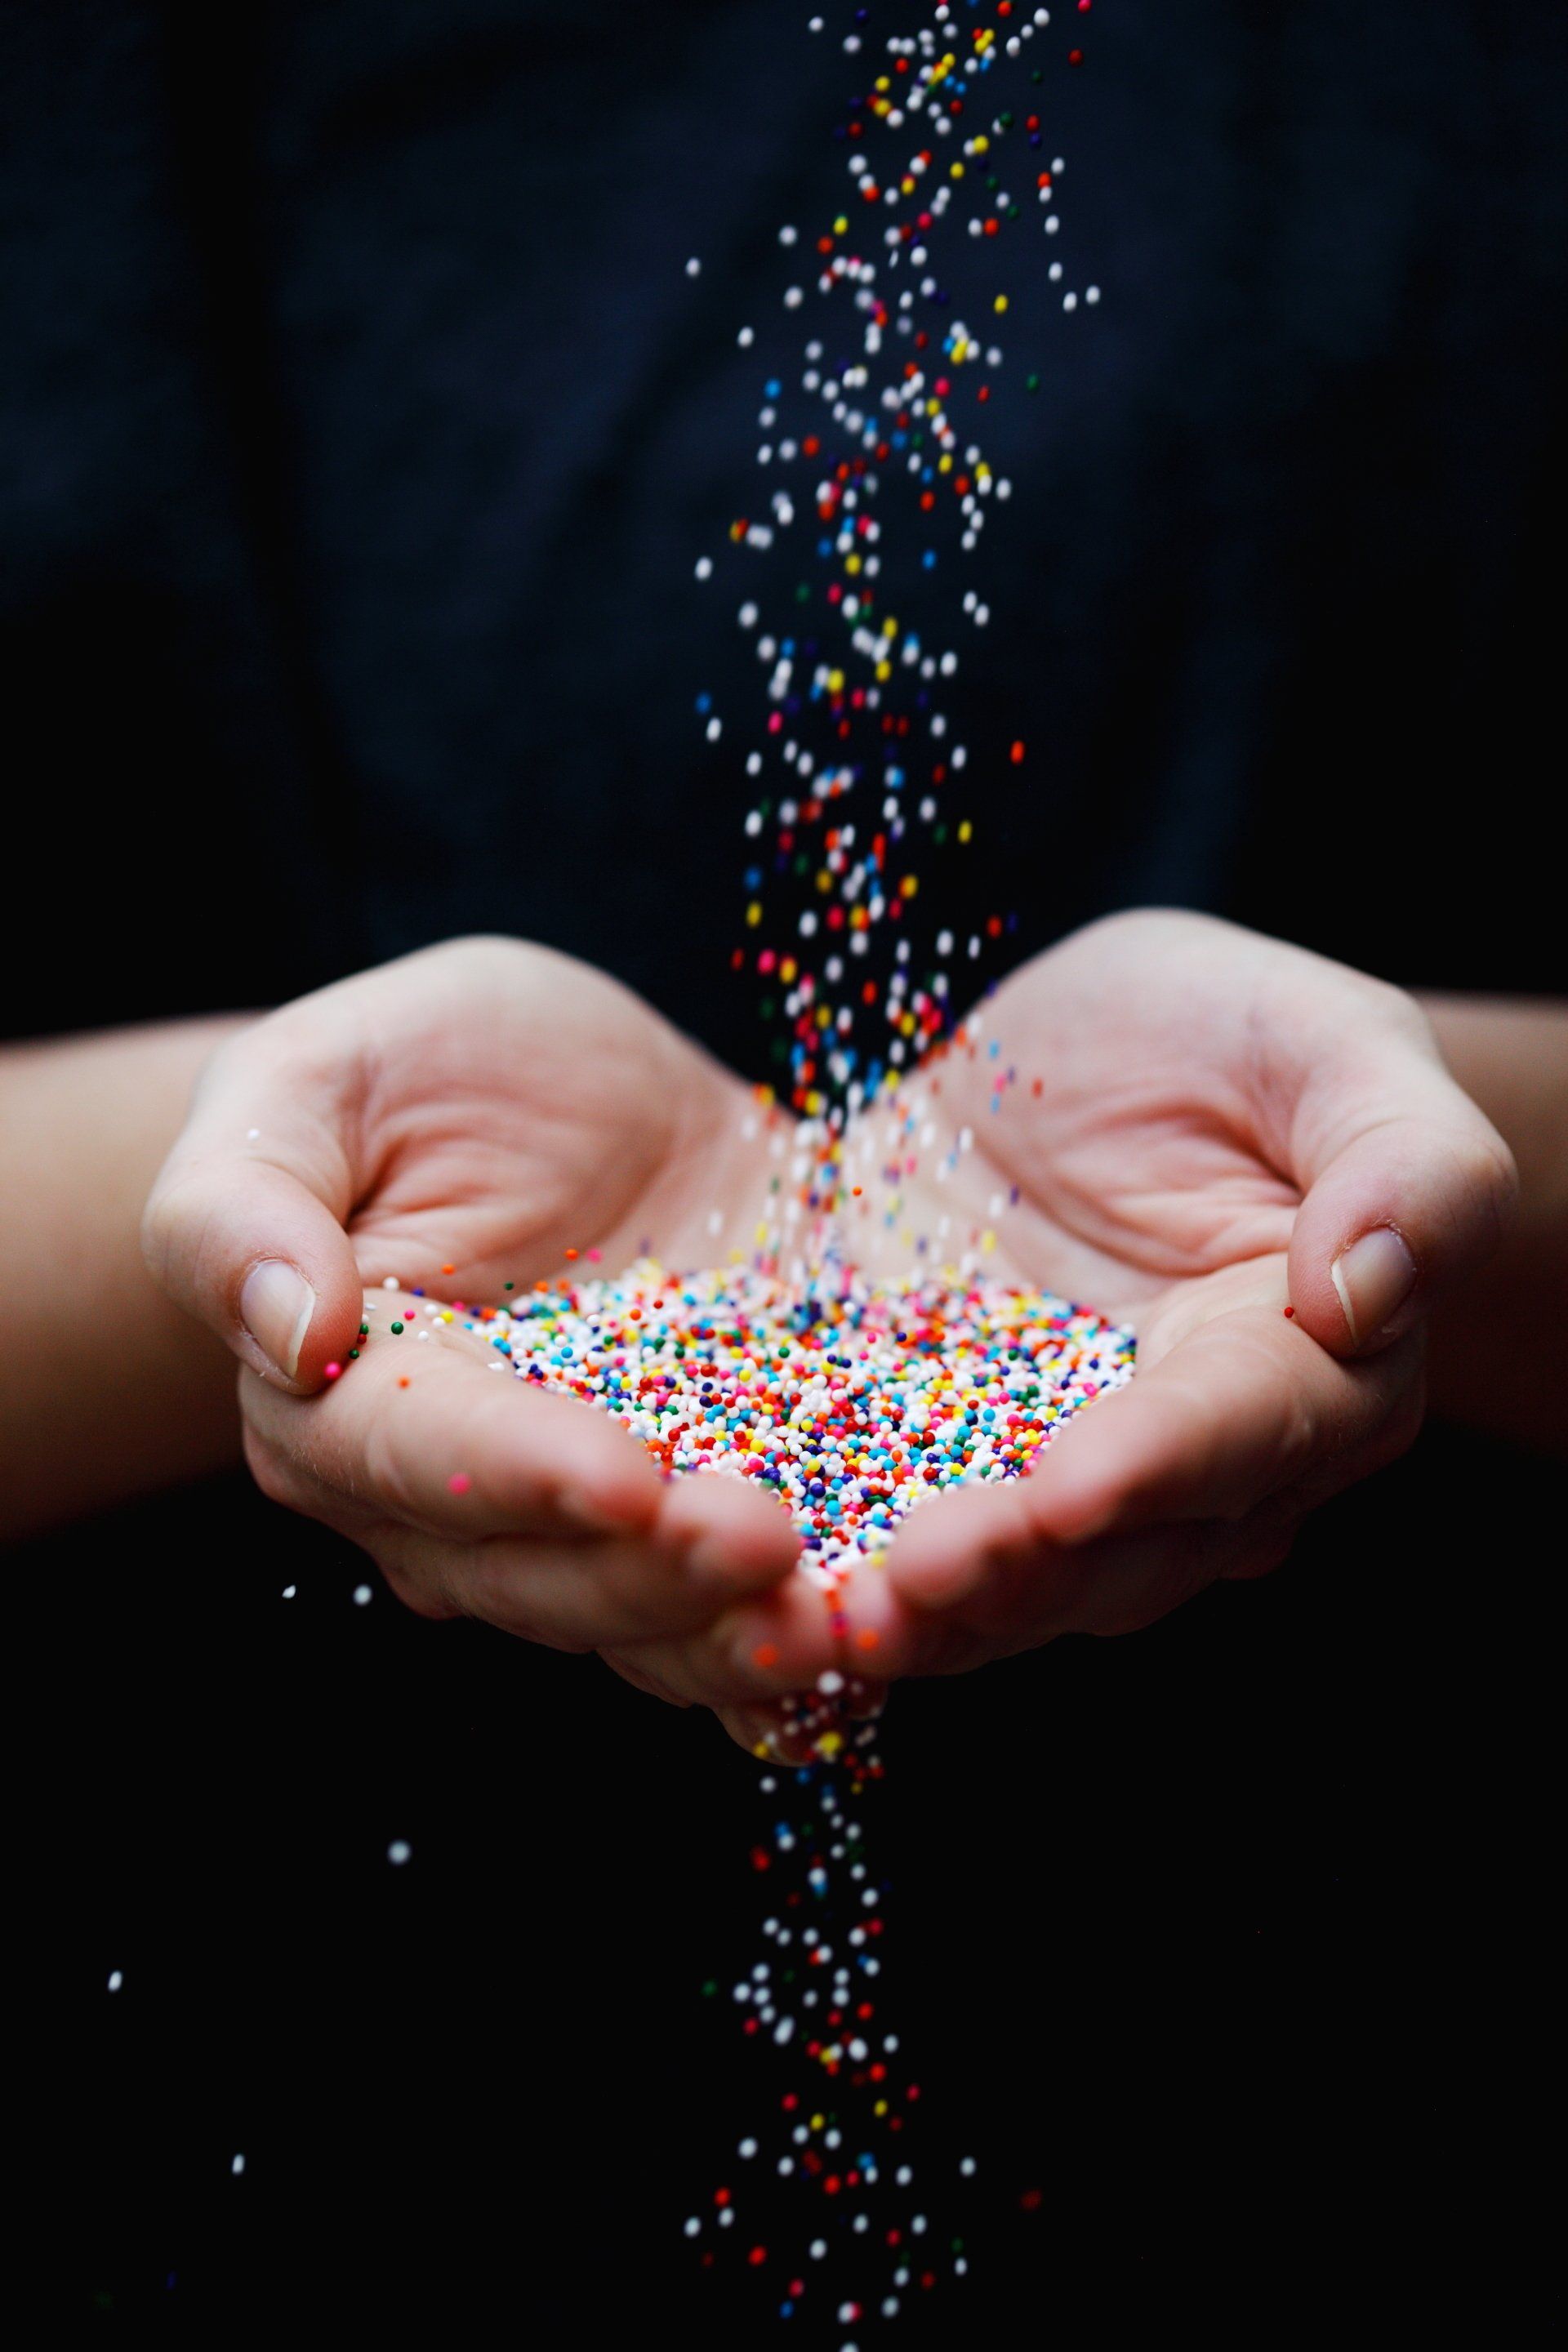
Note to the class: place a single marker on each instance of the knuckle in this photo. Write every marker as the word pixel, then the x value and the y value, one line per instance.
pixel 421 1596
pixel 279 1479
pixel 386 1472
pixel 1493 1180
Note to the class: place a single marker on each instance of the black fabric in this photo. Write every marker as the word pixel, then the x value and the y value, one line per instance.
pixel 362 427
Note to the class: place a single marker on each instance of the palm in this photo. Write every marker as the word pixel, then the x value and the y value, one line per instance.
pixel 1131 1154
pixel 515 1107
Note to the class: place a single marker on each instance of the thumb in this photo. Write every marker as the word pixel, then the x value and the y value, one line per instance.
pixel 244 1227
pixel 1409 1186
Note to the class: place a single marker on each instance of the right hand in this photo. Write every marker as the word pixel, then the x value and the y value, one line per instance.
pixel 456 1121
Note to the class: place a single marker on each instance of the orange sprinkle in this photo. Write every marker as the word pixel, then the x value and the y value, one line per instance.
pixel 765 1655
pixel 866 1638
pixel 449 1269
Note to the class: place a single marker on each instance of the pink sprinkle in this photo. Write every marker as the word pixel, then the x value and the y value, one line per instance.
pixel 460 1482
pixel 595 1256
pixel 331 1371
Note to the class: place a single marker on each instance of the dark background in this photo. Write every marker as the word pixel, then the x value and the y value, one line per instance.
pixel 360 430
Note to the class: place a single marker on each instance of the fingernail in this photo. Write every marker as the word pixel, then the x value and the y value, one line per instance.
pixel 276 1306
pixel 1374 1278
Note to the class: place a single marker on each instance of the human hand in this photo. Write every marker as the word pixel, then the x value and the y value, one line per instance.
pixel 458 1121
pixel 1208 1129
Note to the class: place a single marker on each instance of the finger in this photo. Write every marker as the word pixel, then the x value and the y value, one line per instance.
pixel 766 1732
pixel 245 1224
pixel 601 1592
pixel 1018 1590
pixel 624 1663
pixel 1408 1186
pixel 436 1440
pixel 1243 1407
pixel 762 1650
pixel 680 1577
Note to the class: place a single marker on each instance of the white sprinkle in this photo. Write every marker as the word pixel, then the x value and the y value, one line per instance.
pixel 289 1590
pixel 398 1852
pixel 361 1596
pixel 115 1979
pixel 236 2165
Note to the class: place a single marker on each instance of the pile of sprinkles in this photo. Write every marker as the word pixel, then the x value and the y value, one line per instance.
pixel 853 1401
pixel 876 490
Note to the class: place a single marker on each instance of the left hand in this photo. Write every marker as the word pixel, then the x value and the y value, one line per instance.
pixel 1205 1128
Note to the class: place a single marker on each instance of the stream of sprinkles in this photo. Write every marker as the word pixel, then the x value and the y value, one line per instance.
pixel 879 490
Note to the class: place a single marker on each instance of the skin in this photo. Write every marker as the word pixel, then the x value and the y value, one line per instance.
pixel 481 1107
pixel 1219 1117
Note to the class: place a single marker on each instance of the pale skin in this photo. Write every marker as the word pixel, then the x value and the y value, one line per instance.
pixel 1221 1120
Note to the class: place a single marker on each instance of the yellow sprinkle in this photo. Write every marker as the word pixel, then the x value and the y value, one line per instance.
pixel 965 830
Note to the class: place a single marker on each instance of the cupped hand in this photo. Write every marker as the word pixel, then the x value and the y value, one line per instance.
pixel 458 1122
pixel 1256 1158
